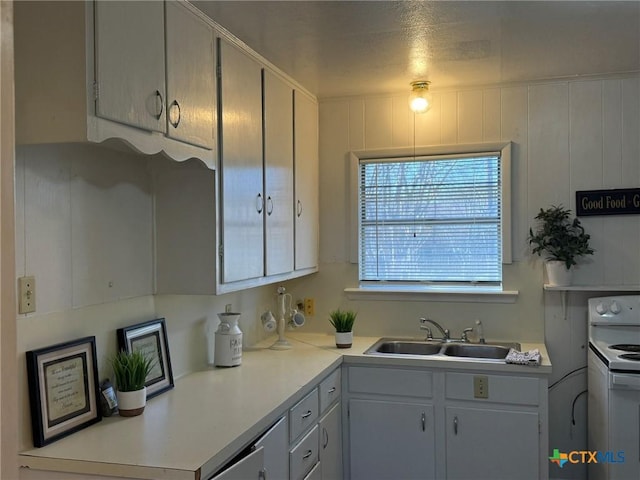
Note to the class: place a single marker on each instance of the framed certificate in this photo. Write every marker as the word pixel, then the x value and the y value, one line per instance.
pixel 151 339
pixel 63 389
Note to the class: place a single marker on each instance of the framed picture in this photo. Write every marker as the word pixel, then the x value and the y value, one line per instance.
pixel 63 389
pixel 151 339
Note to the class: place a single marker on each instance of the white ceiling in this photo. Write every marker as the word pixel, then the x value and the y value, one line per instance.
pixel 347 47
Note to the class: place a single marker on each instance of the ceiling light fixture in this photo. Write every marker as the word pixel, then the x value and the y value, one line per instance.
pixel 420 98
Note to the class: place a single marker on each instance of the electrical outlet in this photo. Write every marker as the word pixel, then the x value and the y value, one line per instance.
pixel 26 295
pixel 309 307
pixel 481 386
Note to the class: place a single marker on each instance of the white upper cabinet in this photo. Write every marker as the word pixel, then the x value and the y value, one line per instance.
pixel 191 85
pixel 306 182
pixel 278 174
pixel 242 201
pixel 98 71
pixel 129 63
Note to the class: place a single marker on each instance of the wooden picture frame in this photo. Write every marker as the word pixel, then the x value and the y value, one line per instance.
pixel 150 338
pixel 63 389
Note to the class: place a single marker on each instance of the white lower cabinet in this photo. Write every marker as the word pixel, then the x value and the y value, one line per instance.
pixel 276 447
pixel 420 424
pixel 391 440
pixel 331 444
pixel 248 468
pixel 492 444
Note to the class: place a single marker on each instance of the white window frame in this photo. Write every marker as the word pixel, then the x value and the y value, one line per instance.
pixel 405 291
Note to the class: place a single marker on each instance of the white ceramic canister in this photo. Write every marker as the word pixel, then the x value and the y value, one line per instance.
pixel 228 349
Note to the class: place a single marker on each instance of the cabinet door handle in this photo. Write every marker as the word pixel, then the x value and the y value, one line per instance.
pixel 159 103
pixel 299 209
pixel 455 425
pixel 259 203
pixel 173 120
pixel 262 474
pixel 325 436
pixel 269 205
pixel 307 415
pixel 307 455
pixel 424 422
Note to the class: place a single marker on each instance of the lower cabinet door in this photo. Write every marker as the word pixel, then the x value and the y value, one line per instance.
pixel 492 444
pixel 391 440
pixel 250 467
pixel 276 448
pixel 331 444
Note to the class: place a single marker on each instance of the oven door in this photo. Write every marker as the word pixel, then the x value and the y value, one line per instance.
pixel 624 426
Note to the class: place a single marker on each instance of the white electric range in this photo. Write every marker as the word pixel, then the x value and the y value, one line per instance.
pixel 614 387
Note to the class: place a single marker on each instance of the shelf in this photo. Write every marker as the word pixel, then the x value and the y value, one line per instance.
pixel 593 288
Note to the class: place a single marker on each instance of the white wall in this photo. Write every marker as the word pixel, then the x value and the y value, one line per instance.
pixel 568 135
pixel 84 229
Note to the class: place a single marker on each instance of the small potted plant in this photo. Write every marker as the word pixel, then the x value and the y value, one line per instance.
pixel 342 321
pixel 130 371
pixel 562 239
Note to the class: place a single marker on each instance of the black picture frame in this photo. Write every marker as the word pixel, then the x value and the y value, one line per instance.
pixel 63 389
pixel 150 338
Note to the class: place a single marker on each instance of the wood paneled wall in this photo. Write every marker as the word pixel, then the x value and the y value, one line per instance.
pixel 568 136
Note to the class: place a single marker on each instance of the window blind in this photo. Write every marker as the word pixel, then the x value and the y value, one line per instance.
pixel 431 219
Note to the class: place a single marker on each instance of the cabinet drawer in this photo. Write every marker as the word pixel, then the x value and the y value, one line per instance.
pixel 303 415
pixel 304 455
pixel 492 388
pixel 391 381
pixel 315 473
pixel 330 390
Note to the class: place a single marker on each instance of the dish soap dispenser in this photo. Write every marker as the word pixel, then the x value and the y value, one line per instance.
pixel 228 344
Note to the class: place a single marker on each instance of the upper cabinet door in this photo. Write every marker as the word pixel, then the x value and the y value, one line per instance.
pixel 190 77
pixel 306 182
pixel 278 171
pixel 130 67
pixel 241 196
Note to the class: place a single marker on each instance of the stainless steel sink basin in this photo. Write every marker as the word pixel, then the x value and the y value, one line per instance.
pixel 496 352
pixel 404 347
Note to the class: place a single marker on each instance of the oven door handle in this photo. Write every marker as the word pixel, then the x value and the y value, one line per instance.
pixel 631 382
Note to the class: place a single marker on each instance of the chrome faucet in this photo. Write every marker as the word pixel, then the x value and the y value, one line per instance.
pixel 443 331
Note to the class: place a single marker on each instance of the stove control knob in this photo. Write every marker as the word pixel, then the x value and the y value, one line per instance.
pixel 615 308
pixel 601 308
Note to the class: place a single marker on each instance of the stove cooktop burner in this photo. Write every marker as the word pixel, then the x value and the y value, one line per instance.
pixel 626 347
pixel 631 356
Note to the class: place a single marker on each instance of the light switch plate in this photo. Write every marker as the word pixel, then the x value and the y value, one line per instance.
pixel 481 386
pixel 26 295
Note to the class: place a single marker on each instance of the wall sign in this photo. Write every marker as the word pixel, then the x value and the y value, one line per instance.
pixel 624 201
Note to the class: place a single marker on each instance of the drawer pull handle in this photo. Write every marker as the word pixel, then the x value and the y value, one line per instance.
pixel 306 415
pixel 307 455
pixel 331 390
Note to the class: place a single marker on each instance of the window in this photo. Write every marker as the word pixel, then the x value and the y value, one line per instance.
pixel 438 218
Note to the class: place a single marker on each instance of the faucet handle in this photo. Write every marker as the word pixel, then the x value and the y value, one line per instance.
pixel 465 332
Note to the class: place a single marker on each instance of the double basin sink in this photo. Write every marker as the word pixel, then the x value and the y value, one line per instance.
pixel 404 347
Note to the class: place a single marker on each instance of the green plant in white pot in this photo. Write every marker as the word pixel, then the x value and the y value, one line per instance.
pixel 130 370
pixel 562 239
pixel 342 321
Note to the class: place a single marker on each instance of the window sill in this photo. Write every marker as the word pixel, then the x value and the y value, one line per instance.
pixel 432 294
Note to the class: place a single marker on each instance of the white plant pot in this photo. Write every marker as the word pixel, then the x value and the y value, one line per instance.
pixel 344 339
pixel 131 404
pixel 558 274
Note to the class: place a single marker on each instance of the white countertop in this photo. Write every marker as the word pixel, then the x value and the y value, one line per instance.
pixel 211 415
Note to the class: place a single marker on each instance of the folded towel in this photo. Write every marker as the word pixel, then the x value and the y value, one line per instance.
pixel 532 357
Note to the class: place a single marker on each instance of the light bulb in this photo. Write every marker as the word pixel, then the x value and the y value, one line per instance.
pixel 420 98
